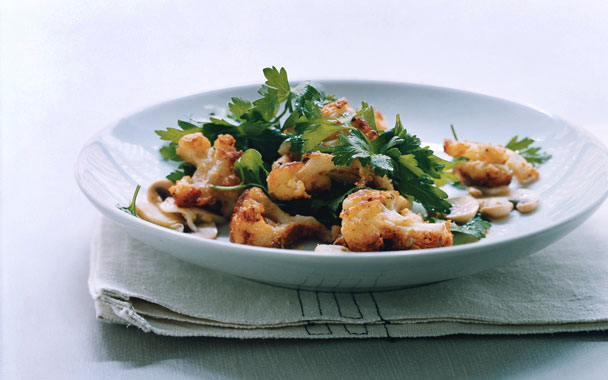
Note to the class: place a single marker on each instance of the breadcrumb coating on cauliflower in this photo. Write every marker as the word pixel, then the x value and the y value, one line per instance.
pixel 296 180
pixel 481 173
pixel 493 154
pixel 214 166
pixel 364 127
pixel 259 221
pixel 337 109
pixel 374 220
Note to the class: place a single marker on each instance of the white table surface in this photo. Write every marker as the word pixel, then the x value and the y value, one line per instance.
pixel 68 68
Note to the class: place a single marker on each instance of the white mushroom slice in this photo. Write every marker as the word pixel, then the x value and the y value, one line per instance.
pixel 479 191
pixel 475 191
pixel 463 208
pixel 159 190
pixel 189 214
pixel 160 208
pixel 152 213
pixel 495 207
pixel 331 248
pixel 495 191
pixel 525 200
pixel 192 215
pixel 206 230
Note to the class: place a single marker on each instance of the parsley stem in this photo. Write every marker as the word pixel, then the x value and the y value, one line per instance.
pixel 228 188
pixel 454 132
pixel 278 117
pixel 131 208
pixel 132 205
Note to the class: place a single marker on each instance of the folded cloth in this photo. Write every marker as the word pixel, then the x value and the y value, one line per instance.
pixel 560 289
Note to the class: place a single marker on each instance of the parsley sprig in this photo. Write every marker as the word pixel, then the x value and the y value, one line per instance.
pixel 472 231
pixel 414 169
pixel 131 208
pixel 531 154
pixel 282 113
pixel 250 168
pixel 469 232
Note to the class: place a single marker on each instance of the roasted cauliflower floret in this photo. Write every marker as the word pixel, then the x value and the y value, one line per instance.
pixel 481 173
pixel 295 180
pixel 380 122
pixel 286 155
pixel 337 109
pixel 493 154
pixel 374 220
pixel 214 166
pixel 340 108
pixel 258 221
pixel 364 127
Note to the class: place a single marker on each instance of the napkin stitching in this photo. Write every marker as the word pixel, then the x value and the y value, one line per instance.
pixel 308 321
pixel 356 333
pixel 329 332
pixel 318 303
pixel 300 302
pixel 340 309
pixel 312 328
pixel 385 322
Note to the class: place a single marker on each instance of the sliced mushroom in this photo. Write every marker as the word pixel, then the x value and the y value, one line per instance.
pixel 479 191
pixel 160 208
pixel 331 248
pixel 463 209
pixel 495 207
pixel 152 213
pixel 192 215
pixel 525 200
pixel 495 191
pixel 206 230
pixel 159 190
pixel 475 191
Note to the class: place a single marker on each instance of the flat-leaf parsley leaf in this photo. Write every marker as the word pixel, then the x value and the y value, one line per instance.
pixel 531 154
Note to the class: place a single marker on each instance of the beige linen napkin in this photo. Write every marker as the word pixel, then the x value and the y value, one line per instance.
pixel 562 288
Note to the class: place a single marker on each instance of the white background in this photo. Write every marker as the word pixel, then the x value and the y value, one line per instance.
pixel 69 68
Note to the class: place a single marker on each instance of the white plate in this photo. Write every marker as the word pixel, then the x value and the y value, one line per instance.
pixel 572 185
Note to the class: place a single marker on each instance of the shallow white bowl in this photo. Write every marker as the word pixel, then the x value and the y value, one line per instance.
pixel 572 185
